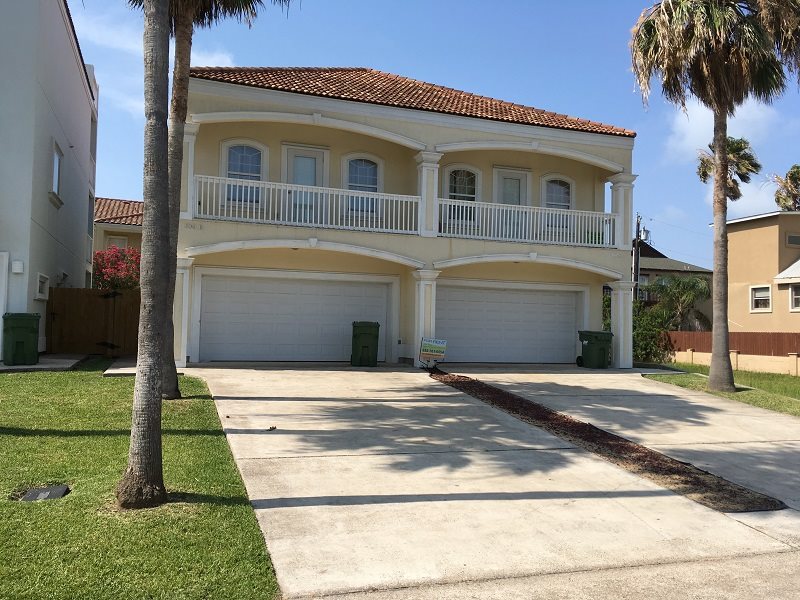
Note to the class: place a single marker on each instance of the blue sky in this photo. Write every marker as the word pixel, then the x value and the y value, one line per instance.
pixel 570 57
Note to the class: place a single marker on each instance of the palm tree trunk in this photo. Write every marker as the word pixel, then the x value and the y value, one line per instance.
pixel 720 376
pixel 142 483
pixel 177 119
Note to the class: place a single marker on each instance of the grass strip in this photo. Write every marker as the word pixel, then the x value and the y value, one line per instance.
pixel 73 427
pixel 682 478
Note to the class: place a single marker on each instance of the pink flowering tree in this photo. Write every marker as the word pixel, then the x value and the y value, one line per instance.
pixel 116 268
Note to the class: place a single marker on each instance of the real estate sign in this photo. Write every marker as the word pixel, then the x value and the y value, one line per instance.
pixel 431 349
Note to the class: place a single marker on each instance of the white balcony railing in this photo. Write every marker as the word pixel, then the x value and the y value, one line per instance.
pixel 285 204
pixel 510 223
pixel 246 201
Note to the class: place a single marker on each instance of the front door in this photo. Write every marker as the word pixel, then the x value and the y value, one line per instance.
pixel 305 167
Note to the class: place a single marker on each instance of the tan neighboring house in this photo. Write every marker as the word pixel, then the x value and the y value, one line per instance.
pixel 117 223
pixel 764 273
pixel 315 197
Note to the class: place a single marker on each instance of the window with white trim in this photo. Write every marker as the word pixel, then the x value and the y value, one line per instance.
pixel 760 299
pixel 362 176
pixel 794 297
pixel 117 240
pixel 55 183
pixel 243 162
pixel 558 194
pixel 42 287
pixel 462 184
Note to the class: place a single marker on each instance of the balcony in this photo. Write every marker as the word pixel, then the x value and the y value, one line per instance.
pixel 223 199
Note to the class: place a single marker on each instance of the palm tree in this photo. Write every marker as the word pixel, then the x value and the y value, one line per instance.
pixel 787 196
pixel 677 296
pixel 142 483
pixel 742 163
pixel 185 15
pixel 720 52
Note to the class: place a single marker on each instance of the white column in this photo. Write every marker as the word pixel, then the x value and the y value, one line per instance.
pixel 622 323
pixel 622 206
pixel 424 308
pixel 189 137
pixel 428 190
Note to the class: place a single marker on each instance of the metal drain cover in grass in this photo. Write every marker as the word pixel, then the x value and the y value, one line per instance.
pixel 51 492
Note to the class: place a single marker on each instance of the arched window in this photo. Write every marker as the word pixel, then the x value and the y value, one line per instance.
pixel 243 162
pixel 462 184
pixel 362 174
pixel 558 194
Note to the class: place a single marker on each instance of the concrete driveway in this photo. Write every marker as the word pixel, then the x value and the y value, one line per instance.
pixel 387 480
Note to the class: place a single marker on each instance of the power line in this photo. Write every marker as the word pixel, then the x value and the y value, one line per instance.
pixel 694 231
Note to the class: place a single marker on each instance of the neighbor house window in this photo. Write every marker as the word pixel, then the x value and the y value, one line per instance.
pixel 42 287
pixel 558 194
pixel 362 176
pixel 244 162
pixel 793 239
pixel 118 241
pixel 760 299
pixel 55 184
pixel 643 281
pixel 794 297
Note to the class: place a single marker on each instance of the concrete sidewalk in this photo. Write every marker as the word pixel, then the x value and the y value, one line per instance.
pixel 387 480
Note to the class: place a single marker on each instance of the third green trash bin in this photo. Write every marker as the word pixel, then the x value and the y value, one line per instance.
pixel 365 344
pixel 20 338
pixel 596 349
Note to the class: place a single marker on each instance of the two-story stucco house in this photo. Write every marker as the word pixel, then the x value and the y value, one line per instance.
pixel 314 197
pixel 764 285
pixel 48 123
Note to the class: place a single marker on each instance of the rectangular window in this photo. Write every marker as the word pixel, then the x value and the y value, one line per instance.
pixel 118 241
pixel 760 299
pixel 42 287
pixel 643 281
pixel 93 139
pixel 793 239
pixel 58 158
pixel 794 297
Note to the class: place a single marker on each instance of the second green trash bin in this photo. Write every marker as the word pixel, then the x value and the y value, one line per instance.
pixel 20 338
pixel 596 349
pixel 365 344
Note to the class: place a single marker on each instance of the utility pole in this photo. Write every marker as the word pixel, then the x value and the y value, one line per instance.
pixel 635 269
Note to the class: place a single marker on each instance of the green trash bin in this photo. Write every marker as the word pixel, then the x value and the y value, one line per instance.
pixel 20 338
pixel 596 349
pixel 365 344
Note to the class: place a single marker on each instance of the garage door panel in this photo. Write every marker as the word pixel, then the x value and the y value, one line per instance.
pixel 246 318
pixel 506 325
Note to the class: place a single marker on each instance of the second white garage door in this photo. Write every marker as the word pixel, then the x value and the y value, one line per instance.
pixel 268 319
pixel 506 325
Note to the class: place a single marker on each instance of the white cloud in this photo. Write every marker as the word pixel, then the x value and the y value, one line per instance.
pixel 108 32
pixel 758 197
pixel 129 102
pixel 218 58
pixel 692 131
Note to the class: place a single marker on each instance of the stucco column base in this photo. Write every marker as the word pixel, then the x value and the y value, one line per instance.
pixel 622 323
pixel 424 308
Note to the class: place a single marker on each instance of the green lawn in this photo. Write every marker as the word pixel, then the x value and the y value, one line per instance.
pixel 772 391
pixel 73 428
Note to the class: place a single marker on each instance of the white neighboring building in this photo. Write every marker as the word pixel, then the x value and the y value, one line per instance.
pixel 48 127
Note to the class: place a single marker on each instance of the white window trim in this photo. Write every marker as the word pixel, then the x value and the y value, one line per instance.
pixel 459 167
pixel 225 145
pixel 750 299
pixel 110 241
pixel 54 195
pixel 550 177
pixel 42 278
pixel 497 173
pixel 791 308
pixel 355 156
pixel 326 161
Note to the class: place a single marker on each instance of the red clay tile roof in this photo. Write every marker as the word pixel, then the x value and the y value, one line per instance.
pixel 118 212
pixel 361 84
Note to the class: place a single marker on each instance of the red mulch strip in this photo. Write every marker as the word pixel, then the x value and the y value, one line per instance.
pixel 682 478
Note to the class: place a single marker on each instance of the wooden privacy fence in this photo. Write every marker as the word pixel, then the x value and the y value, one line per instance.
pixel 746 342
pixel 86 321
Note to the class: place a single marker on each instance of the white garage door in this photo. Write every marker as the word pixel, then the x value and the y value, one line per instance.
pixel 249 318
pixel 506 325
